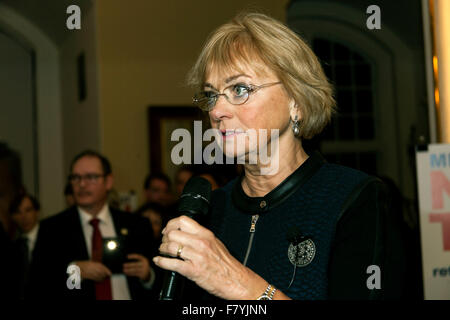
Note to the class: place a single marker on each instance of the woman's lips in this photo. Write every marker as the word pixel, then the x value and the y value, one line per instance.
pixel 228 134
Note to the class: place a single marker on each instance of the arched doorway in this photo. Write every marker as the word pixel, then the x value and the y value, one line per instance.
pixel 375 105
pixel 49 172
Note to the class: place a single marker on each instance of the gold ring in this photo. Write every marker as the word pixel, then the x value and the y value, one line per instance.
pixel 180 248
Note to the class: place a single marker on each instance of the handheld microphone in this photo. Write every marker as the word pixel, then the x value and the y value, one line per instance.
pixel 194 203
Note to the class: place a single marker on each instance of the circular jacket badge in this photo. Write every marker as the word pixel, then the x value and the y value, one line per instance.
pixel 302 254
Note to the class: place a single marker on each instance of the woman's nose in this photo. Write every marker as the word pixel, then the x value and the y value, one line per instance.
pixel 222 109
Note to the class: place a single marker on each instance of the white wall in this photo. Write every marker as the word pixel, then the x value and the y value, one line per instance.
pixel 16 106
pixel 48 105
pixel 81 123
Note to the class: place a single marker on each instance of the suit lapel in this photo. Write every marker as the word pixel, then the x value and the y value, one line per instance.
pixel 120 225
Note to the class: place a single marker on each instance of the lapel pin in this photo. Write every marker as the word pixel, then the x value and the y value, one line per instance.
pixel 303 253
pixel 302 250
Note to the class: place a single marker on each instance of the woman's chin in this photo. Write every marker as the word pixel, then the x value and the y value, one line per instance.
pixel 243 156
pixel 233 153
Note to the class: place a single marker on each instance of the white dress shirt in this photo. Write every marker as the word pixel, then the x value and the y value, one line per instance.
pixel 119 284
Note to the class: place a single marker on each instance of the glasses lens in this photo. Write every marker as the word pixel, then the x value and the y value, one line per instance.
pixel 88 178
pixel 74 178
pixel 238 93
pixel 205 100
pixel 92 178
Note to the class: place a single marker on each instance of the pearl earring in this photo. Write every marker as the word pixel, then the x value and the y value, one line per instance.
pixel 296 126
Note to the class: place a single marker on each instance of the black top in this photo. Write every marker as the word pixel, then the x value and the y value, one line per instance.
pixel 343 220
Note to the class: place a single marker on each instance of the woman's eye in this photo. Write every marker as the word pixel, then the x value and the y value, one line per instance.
pixel 240 89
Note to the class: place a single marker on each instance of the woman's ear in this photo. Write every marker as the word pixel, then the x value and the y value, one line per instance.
pixel 294 110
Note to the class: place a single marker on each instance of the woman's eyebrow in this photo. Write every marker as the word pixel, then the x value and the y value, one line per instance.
pixel 227 80
pixel 209 85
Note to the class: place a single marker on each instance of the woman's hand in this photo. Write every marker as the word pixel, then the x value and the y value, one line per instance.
pixel 206 261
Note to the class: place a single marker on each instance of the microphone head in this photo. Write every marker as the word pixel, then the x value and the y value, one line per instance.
pixel 195 197
pixel 294 235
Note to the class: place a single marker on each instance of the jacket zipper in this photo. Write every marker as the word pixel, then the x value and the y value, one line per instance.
pixel 252 235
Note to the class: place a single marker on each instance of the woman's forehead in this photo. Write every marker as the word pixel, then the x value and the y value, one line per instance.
pixel 221 74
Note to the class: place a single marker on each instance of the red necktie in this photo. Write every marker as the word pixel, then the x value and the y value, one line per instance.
pixel 103 288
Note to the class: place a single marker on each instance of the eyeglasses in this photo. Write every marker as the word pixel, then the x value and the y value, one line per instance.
pixel 236 94
pixel 89 178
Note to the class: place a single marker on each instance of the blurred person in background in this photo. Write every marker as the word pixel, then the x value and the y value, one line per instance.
pixel 182 176
pixel 157 189
pixel 155 213
pixel 68 195
pixel 24 212
pixel 77 236
pixel 10 183
pixel 10 187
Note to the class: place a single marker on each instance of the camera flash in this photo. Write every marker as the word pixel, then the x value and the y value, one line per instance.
pixel 112 245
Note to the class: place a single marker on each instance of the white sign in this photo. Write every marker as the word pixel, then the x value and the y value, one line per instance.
pixel 433 177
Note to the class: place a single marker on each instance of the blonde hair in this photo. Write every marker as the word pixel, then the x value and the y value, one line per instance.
pixel 259 41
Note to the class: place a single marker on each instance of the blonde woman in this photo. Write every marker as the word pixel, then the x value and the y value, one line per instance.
pixel 308 230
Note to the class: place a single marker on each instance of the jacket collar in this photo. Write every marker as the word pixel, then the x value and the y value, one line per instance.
pixel 259 205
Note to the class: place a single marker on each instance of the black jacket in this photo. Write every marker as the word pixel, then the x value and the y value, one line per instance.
pixel 344 212
pixel 6 266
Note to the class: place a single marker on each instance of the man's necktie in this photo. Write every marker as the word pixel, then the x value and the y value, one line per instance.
pixel 103 288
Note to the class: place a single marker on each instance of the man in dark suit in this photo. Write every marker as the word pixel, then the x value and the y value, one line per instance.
pixel 10 186
pixel 24 210
pixel 6 267
pixel 76 237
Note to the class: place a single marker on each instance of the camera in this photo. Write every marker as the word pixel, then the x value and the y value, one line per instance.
pixel 114 254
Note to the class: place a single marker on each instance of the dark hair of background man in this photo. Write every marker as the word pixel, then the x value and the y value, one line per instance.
pixel 90 153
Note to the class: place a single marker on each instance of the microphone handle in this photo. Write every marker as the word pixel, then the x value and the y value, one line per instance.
pixel 173 285
pixel 173 282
